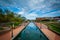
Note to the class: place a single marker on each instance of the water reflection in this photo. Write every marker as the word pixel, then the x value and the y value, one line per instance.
pixel 31 32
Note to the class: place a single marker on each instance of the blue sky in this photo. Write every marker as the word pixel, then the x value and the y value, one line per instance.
pixel 33 8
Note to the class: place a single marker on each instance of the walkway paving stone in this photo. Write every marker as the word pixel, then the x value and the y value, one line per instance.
pixel 8 35
pixel 51 35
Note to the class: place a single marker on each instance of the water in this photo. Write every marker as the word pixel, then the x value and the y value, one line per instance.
pixel 31 32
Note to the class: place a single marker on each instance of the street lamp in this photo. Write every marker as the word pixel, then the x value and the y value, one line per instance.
pixel 12 28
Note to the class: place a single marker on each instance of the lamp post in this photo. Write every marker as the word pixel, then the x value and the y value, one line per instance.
pixel 12 28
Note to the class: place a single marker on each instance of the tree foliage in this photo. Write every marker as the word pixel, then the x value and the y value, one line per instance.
pixel 9 16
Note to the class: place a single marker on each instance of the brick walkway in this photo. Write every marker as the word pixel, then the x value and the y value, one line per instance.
pixel 8 35
pixel 51 35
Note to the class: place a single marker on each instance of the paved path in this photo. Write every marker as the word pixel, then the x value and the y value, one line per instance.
pixel 8 35
pixel 51 35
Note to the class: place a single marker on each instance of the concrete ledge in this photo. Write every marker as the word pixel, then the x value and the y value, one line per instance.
pixel 51 35
pixel 19 30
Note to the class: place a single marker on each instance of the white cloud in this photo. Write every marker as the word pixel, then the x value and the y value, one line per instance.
pixel 51 14
pixel 31 16
pixel 34 4
pixel 28 5
pixel 22 12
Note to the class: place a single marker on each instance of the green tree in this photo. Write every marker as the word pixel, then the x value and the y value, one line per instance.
pixel 9 16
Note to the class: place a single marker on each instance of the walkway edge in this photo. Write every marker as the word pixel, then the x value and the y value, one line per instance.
pixel 20 31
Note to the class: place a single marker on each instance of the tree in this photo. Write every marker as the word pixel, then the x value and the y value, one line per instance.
pixel 9 16
pixel 1 15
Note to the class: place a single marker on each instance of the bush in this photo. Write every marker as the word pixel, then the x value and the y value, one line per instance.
pixel 1 28
pixel 16 23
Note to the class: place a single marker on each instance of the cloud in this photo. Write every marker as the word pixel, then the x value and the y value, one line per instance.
pixel 22 12
pixel 32 8
pixel 31 16
pixel 52 14
pixel 34 4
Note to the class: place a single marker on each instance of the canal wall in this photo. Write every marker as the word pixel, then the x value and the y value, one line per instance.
pixel 51 35
pixel 7 35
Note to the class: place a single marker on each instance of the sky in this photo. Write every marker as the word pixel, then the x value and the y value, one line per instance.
pixel 31 9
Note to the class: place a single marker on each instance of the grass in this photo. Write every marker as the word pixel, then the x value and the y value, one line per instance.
pixel 54 26
pixel 1 28
pixel 16 24
pixel 11 24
